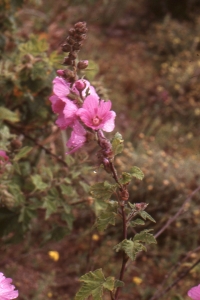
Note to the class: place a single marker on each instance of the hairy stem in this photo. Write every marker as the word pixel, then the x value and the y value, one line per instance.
pixel 125 258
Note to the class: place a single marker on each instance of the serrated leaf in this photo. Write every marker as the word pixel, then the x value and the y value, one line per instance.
pixel 109 284
pixel 99 205
pixel 38 183
pixel 117 143
pixel 137 222
pixel 85 186
pixel 68 218
pixel 102 190
pixel 107 216
pixel 8 115
pixel 126 178
pixel 145 237
pixel 118 283
pixel 50 205
pixel 22 153
pixel 137 173
pixel 145 216
pixel 93 284
pixel 131 248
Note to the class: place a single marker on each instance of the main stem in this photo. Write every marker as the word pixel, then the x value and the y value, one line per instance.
pixel 124 259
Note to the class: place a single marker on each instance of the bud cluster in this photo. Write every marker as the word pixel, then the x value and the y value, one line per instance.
pixel 72 45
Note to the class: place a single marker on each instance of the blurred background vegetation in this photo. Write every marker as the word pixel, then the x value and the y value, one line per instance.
pixel 145 58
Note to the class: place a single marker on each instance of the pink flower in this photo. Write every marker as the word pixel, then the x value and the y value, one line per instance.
pixel 4 160
pixel 96 114
pixel 7 290
pixel 77 139
pixel 61 88
pixel 66 111
pixel 3 156
pixel 194 292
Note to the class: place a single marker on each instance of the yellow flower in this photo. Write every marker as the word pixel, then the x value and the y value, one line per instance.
pixel 137 280
pixel 95 237
pixel 54 255
pixel 50 295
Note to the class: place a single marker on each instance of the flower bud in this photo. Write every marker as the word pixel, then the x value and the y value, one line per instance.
pixel 82 64
pixel 80 85
pixel 67 61
pixel 72 55
pixel 60 73
pixel 66 47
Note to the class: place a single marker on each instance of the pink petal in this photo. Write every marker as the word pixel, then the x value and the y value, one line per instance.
pixel 86 117
pixel 104 107
pixel 70 110
pixel 61 87
pixel 57 104
pixel 77 139
pixel 109 122
pixel 5 158
pixel 194 292
pixel 91 104
pixel 62 122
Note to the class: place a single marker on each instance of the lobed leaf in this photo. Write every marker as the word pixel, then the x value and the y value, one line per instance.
pixel 8 115
pixel 131 248
pixel 93 284
pixel 117 143
pixel 145 237
pixel 38 183
pixel 107 216
pixel 102 190
pixel 22 153
pixel 137 222
pixel 145 216
pixel 137 173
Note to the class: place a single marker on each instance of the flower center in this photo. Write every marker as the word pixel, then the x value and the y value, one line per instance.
pixel 96 121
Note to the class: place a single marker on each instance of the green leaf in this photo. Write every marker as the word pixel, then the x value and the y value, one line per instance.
pixel 117 143
pixel 145 216
pixel 22 153
pixel 137 222
pixel 50 205
pixel 126 178
pixel 107 216
pixel 37 181
pixel 57 233
pixel 118 283
pixel 68 218
pixel 145 237
pixel 6 114
pixel 137 173
pixel 102 190
pixel 99 205
pixel 131 248
pixel 93 284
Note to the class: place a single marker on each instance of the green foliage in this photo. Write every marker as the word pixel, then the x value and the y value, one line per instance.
pixel 117 143
pixel 134 172
pixel 102 190
pixel 23 153
pixel 93 284
pixel 131 248
pixel 107 216
pixel 6 114
pixel 146 216
pixel 145 237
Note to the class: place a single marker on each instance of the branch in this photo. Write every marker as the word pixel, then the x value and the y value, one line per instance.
pixel 172 219
pixel 177 280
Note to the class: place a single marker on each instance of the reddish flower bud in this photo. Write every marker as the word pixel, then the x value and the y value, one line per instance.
pixel 67 61
pixel 80 85
pixel 60 72
pixel 82 64
pixel 66 48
